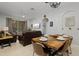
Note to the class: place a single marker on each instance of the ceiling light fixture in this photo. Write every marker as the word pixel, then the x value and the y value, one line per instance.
pixel 54 4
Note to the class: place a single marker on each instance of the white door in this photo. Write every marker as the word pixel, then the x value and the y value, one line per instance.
pixel 70 25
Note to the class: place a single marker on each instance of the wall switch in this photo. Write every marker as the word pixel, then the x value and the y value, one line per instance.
pixel 77 28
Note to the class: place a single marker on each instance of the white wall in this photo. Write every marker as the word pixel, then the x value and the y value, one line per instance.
pixel 56 15
pixel 57 18
pixel 2 21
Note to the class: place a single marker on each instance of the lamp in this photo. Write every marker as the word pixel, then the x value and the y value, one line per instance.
pixel 5 28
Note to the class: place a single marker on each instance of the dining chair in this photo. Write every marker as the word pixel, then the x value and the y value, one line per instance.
pixel 38 49
pixel 64 49
pixel 69 48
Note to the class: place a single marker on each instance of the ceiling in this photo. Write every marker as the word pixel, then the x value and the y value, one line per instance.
pixel 28 9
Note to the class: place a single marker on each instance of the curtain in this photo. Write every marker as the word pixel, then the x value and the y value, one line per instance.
pixel 16 27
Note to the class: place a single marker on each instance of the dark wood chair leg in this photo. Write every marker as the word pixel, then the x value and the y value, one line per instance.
pixel 2 46
pixel 33 53
pixel 67 52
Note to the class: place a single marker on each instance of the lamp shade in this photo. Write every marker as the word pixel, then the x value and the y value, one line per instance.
pixel 5 28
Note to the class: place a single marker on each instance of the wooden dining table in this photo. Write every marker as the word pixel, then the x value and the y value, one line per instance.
pixel 52 42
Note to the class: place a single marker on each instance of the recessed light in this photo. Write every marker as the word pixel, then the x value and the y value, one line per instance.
pixel 31 8
pixel 23 16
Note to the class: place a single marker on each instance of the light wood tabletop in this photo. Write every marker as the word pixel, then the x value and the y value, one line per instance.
pixel 6 37
pixel 53 43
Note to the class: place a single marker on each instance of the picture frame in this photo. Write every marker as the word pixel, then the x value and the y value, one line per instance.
pixel 51 23
pixel 70 21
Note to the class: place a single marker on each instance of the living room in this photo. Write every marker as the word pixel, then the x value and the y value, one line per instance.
pixel 27 20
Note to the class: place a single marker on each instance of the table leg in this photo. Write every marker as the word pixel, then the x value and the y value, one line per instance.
pixel 9 43
pixel 2 45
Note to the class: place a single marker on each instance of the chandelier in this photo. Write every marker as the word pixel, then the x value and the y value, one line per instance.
pixel 54 4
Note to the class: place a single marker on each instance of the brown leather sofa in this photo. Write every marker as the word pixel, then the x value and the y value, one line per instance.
pixel 25 38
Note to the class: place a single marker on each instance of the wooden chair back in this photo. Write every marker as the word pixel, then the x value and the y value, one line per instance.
pixel 66 45
pixel 38 49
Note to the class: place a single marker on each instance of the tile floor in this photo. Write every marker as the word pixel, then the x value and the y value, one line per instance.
pixel 17 49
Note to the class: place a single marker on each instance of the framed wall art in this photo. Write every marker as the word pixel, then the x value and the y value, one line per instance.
pixel 70 21
pixel 51 23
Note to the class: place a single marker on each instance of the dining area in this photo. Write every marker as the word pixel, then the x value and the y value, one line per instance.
pixel 52 45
